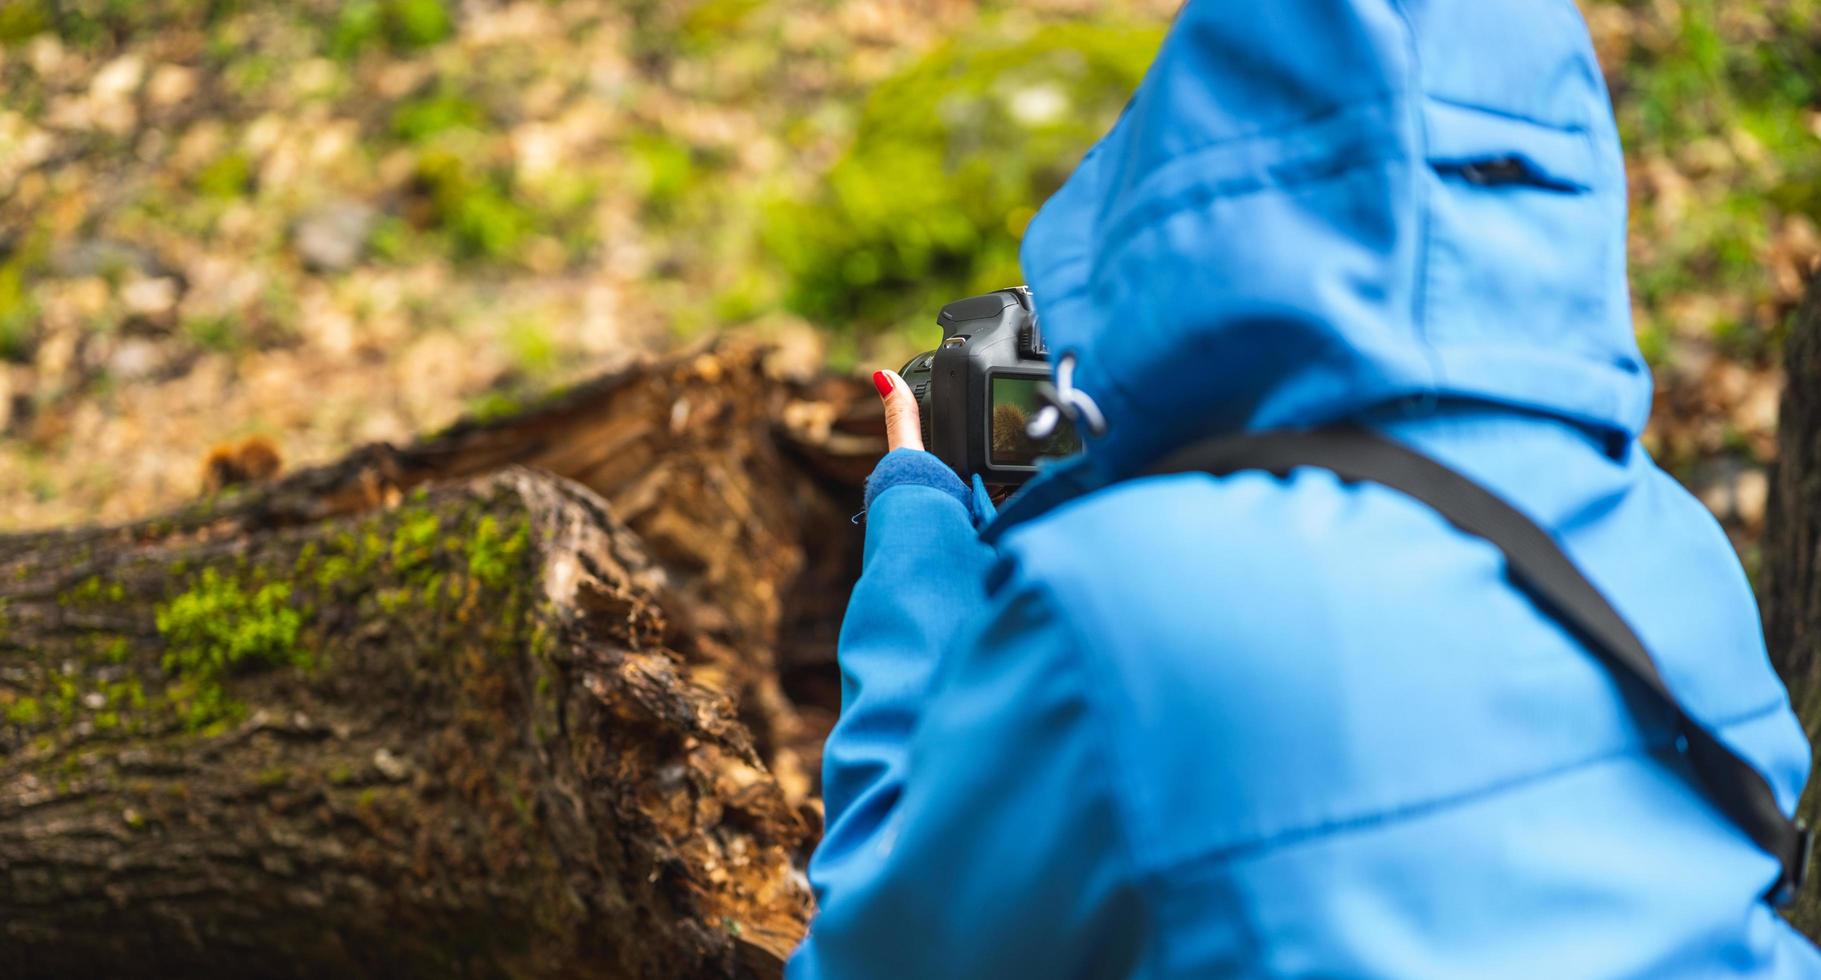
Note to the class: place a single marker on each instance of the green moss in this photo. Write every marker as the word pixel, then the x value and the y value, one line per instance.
pixel 92 590
pixel 414 538
pixel 272 778
pixel 394 600
pixel 492 405
pixel 25 711
pixel 494 552
pixel 202 706
pixel 125 694
pixel 334 570
pixel 364 552
pixel 63 697
pixel 218 628
pixel 116 650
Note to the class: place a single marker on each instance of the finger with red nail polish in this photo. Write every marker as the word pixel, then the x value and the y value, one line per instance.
pixel 903 426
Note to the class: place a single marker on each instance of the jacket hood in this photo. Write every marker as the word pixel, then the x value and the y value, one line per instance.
pixel 1311 208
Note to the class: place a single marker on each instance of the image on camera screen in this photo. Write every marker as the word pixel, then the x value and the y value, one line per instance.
pixel 1014 402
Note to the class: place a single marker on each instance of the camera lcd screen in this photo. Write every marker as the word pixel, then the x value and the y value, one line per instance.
pixel 1014 403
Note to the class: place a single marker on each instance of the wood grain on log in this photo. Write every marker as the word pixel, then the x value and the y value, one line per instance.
pixel 504 702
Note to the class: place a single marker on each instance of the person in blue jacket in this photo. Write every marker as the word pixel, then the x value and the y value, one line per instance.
pixel 1186 726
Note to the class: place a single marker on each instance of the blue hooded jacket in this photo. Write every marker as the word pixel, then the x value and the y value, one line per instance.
pixel 1187 726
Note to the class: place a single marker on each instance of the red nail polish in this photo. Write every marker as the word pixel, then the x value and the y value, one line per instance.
pixel 883 382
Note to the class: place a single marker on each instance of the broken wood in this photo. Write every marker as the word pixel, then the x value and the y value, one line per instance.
pixel 541 697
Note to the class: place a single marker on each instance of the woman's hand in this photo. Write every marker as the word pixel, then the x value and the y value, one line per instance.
pixel 904 430
pixel 903 425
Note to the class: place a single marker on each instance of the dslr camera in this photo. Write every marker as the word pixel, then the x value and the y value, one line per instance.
pixel 979 388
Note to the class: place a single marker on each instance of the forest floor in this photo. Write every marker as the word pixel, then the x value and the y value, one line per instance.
pixel 325 223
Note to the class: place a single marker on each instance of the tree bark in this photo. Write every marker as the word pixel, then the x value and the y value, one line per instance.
pixel 539 697
pixel 1790 591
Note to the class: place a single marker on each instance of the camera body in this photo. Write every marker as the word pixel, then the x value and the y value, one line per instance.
pixel 977 390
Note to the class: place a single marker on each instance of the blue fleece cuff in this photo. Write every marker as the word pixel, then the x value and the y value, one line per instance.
pixel 915 468
pixel 983 503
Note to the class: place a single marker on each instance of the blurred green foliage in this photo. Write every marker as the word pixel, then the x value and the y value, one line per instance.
pixel 228 176
pixel 440 111
pixel 401 25
pixel 18 312
pixel 102 23
pixel 901 175
pixel 1728 94
pixel 663 28
pixel 948 161
pixel 473 206
pixel 666 171
pixel 533 351
pixel 22 19
pixel 214 333
pixel 547 178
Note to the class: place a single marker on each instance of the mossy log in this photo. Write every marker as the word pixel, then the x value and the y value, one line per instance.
pixel 1790 590
pixel 537 697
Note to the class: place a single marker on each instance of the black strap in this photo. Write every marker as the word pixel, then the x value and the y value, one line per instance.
pixel 1539 567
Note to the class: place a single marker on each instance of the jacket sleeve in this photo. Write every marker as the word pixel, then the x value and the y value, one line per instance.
pixel 922 575
pixel 971 825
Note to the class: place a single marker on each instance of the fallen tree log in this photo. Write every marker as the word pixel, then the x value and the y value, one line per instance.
pixel 1790 590
pixel 537 697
